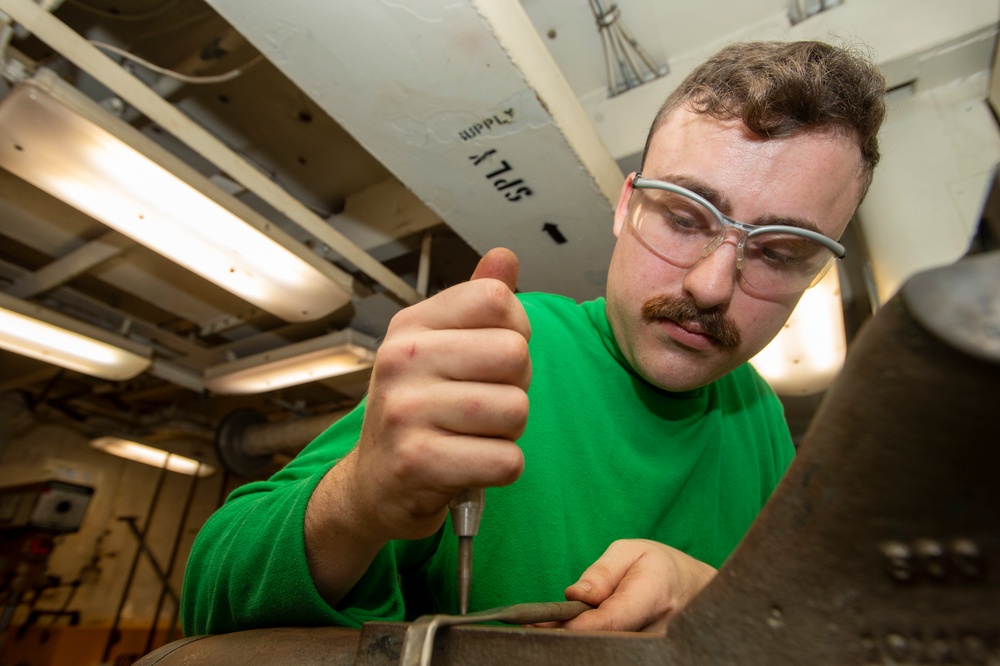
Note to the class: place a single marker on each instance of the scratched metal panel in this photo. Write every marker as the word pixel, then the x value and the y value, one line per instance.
pixel 431 91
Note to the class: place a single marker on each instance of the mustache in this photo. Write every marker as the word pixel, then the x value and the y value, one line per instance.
pixel 679 310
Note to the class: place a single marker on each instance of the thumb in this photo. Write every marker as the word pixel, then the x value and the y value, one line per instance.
pixel 595 585
pixel 499 263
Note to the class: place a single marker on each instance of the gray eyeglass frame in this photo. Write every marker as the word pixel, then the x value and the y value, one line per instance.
pixel 750 230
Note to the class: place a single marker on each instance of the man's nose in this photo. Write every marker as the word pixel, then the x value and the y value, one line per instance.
pixel 711 280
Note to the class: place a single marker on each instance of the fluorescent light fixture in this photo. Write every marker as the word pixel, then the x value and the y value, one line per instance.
pixel 64 143
pixel 126 448
pixel 326 356
pixel 808 353
pixel 31 330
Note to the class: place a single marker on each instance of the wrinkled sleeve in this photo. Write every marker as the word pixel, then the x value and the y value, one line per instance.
pixel 247 568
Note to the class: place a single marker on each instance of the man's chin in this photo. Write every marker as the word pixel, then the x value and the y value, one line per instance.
pixel 673 382
pixel 679 375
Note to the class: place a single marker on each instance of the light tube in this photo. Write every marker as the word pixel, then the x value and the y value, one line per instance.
pixel 320 358
pixel 136 452
pixel 62 142
pixel 40 333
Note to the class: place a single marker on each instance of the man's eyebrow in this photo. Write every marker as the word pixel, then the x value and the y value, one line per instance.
pixel 787 222
pixel 720 201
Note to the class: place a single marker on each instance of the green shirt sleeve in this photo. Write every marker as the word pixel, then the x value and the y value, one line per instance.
pixel 248 568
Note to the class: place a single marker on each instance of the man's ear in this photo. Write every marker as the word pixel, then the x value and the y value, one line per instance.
pixel 621 210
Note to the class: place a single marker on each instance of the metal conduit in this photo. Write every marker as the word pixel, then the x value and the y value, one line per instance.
pixel 246 441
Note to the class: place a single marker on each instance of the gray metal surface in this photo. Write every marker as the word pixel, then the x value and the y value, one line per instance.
pixel 960 304
pixel 312 646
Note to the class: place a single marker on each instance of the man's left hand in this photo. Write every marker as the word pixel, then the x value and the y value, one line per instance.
pixel 636 585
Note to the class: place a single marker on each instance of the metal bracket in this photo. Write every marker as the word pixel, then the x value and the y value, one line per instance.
pixel 418 645
pixel 628 64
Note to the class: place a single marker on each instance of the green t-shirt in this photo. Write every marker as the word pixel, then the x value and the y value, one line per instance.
pixel 607 456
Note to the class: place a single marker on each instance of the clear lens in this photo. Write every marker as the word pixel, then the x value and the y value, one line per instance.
pixel 682 230
pixel 674 226
pixel 783 263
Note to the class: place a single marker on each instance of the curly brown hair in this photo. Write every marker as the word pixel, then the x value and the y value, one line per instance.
pixel 780 88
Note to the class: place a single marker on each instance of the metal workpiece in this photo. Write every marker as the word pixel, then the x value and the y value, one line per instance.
pixel 881 544
pixel 418 645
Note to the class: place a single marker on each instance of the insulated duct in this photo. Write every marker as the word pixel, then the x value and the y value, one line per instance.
pixel 246 442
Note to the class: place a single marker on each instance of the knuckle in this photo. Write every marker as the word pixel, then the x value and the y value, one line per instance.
pixel 399 407
pixel 518 412
pixel 517 347
pixel 411 458
pixel 603 577
pixel 621 544
pixel 389 356
pixel 514 356
pixel 396 354
pixel 509 467
pixel 506 415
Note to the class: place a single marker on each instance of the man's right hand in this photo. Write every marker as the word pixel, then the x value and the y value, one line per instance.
pixel 447 400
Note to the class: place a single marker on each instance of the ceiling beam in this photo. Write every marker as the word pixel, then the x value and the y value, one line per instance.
pixel 70 265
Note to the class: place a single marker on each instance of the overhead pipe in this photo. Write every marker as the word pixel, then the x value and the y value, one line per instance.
pixel 246 442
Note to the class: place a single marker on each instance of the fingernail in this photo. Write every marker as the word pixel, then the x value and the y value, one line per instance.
pixel 583 585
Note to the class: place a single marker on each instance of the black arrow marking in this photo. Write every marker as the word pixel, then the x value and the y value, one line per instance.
pixel 553 231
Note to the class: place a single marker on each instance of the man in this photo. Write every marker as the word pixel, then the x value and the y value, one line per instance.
pixel 649 445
